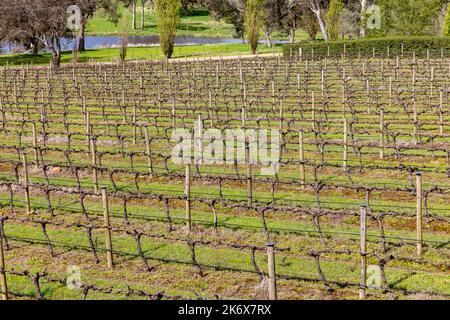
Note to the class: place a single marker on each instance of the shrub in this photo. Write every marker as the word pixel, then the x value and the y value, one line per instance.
pixel 365 47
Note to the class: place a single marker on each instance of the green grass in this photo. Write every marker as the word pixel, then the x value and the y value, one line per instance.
pixel 199 23
pixel 337 269
pixel 134 53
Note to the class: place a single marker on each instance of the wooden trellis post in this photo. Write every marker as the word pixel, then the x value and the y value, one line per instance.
pixel 313 110
pixel 281 114
pixel 441 112
pixel 187 195
pixel 363 253
pixel 249 173
pixel 390 91
pixel 94 165
pixel 272 271
pixel 148 150
pixel 419 212
pixel 174 113
pixel 36 153
pixel 345 142
pixel 88 128
pixel 134 124
pixel 416 123
pixel 301 158
pixel 25 183
pixel 211 107
pixel 107 225
pixel 381 133
pixel 4 285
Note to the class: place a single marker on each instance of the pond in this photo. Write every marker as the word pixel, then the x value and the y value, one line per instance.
pixel 96 42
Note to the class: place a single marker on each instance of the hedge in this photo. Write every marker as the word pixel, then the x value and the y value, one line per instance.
pixel 370 46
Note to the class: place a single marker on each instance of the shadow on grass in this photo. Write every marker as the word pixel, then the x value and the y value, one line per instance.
pixel 192 27
pixel 196 13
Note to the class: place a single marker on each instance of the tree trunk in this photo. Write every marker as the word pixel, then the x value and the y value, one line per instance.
pixel 362 26
pixel 143 15
pixel 82 39
pixel 134 12
pixel 268 39
pixel 34 44
pixel 56 60
pixel 314 6
pixel 291 35
pixel 185 9
pixel 56 52
pixel 322 25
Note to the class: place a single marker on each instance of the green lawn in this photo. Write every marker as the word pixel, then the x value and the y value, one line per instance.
pixel 134 53
pixel 198 23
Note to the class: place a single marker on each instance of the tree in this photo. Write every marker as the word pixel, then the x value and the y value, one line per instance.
pixel 308 22
pixel 363 17
pixel 132 5
pixel 446 30
pixel 253 22
pixel 334 18
pixel 43 21
pixel 143 2
pixel 350 20
pixel 410 17
pixel 168 12
pixel 123 49
pixel 273 18
pixel 292 20
pixel 15 25
pixel 231 11
pixel 186 4
pixel 318 7
pixel 88 8
pixel 443 20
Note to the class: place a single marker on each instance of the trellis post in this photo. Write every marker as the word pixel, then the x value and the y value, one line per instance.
pixel 249 173
pixel 345 156
pixel 381 133
pixel 441 112
pixel 301 158
pixel 94 165
pixel 25 183
pixel 272 272
pixel 36 154
pixel 187 195
pixel 363 253
pixel 4 285
pixel 419 212
pixel 107 225
pixel 148 150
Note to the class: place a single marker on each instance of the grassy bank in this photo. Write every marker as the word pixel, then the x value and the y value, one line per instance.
pixel 134 53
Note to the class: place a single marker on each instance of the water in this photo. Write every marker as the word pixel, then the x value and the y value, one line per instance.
pixel 96 42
